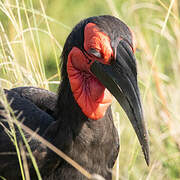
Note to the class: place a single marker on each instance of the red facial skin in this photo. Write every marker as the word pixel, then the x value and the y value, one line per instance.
pixel 92 97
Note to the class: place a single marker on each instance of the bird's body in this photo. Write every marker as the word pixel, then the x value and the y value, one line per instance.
pixel 97 59
pixel 81 139
pixel 35 117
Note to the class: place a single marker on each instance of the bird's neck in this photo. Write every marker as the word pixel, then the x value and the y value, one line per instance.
pixel 70 116
pixel 75 130
pixel 68 111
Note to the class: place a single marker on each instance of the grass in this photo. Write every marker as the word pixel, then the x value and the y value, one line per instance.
pixel 32 34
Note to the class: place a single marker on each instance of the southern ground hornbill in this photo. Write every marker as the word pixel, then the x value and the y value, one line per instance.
pixel 97 62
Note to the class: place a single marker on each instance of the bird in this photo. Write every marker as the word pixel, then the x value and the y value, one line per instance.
pixel 97 63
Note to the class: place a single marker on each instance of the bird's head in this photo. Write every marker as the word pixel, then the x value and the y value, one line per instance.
pixel 98 59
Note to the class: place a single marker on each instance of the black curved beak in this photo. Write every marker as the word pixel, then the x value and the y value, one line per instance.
pixel 120 78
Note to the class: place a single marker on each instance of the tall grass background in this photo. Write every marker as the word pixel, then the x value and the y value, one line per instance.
pixel 32 34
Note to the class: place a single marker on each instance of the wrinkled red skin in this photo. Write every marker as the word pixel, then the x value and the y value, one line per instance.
pixel 92 97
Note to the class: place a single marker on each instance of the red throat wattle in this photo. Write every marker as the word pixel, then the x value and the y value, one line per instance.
pixel 92 97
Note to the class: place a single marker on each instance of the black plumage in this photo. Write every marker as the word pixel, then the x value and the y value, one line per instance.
pixel 59 119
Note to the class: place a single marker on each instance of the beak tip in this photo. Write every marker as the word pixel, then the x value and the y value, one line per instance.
pixel 147 159
pixel 146 153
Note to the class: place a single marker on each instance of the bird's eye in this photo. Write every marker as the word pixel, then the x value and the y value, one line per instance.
pixel 95 53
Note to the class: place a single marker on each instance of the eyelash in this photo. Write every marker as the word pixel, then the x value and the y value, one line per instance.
pixel 89 53
pixel 86 54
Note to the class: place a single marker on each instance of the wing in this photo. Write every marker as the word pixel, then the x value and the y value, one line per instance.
pixel 44 99
pixel 25 109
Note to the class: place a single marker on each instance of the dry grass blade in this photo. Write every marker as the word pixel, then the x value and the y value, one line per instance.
pixel 164 6
pixel 24 159
pixel 30 37
pixel 112 8
pixel 37 13
pixel 56 150
pixel 159 82
pixel 9 115
pixel 49 30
